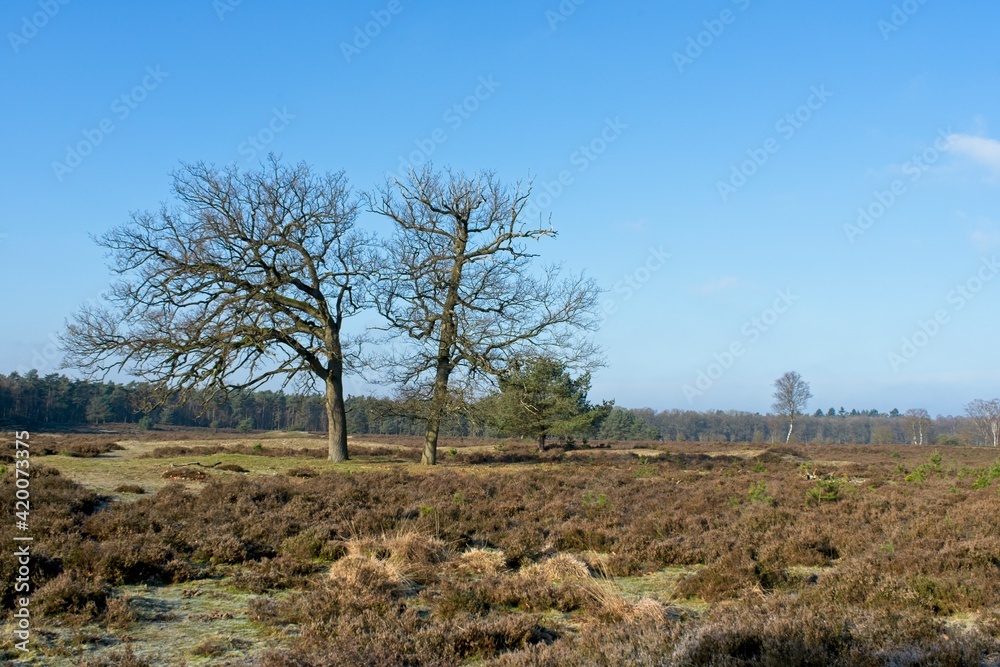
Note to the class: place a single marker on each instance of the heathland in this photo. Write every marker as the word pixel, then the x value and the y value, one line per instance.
pixel 197 547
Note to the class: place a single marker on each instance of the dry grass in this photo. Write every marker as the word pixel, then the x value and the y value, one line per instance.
pixel 675 553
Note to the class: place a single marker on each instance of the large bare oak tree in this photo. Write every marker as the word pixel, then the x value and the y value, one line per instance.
pixel 247 277
pixel 460 288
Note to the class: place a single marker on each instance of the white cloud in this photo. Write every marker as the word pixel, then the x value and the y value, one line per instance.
pixel 986 236
pixel 982 150
pixel 716 286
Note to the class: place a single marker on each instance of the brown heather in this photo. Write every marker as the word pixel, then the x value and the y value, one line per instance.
pixel 687 555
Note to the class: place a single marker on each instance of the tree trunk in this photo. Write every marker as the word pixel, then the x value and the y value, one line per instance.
pixel 449 332
pixel 541 442
pixel 788 437
pixel 429 455
pixel 438 402
pixel 336 415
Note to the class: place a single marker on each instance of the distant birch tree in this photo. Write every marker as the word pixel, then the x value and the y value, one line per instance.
pixel 791 395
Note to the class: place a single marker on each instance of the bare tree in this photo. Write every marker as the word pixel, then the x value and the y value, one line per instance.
pixel 985 416
pixel 791 394
pixel 460 289
pixel 249 277
pixel 918 422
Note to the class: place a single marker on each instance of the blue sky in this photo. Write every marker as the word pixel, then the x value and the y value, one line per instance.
pixel 743 139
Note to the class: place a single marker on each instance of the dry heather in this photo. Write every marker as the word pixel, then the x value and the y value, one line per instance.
pixel 814 555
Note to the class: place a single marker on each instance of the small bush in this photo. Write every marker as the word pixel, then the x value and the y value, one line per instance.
pixel 245 425
pixel 119 658
pixel 187 473
pixel 216 648
pixel 758 494
pixel 70 593
pixel 130 488
pixel 271 574
pixel 88 450
pixel 824 491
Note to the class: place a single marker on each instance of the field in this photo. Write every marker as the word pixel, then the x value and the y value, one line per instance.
pixel 222 549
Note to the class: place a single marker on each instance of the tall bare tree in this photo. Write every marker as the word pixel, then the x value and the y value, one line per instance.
pixel 986 417
pixel 791 395
pixel 918 421
pixel 249 277
pixel 460 288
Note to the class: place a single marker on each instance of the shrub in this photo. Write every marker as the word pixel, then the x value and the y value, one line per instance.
pixel 187 473
pixel 70 593
pixel 90 449
pixel 245 425
pixel 130 488
pixel 118 658
pixel 758 494
pixel 824 491
pixel 216 648
pixel 270 574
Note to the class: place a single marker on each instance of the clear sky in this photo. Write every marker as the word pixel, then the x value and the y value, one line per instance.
pixel 716 159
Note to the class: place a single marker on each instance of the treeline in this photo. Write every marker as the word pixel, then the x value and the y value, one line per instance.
pixel 855 427
pixel 56 401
